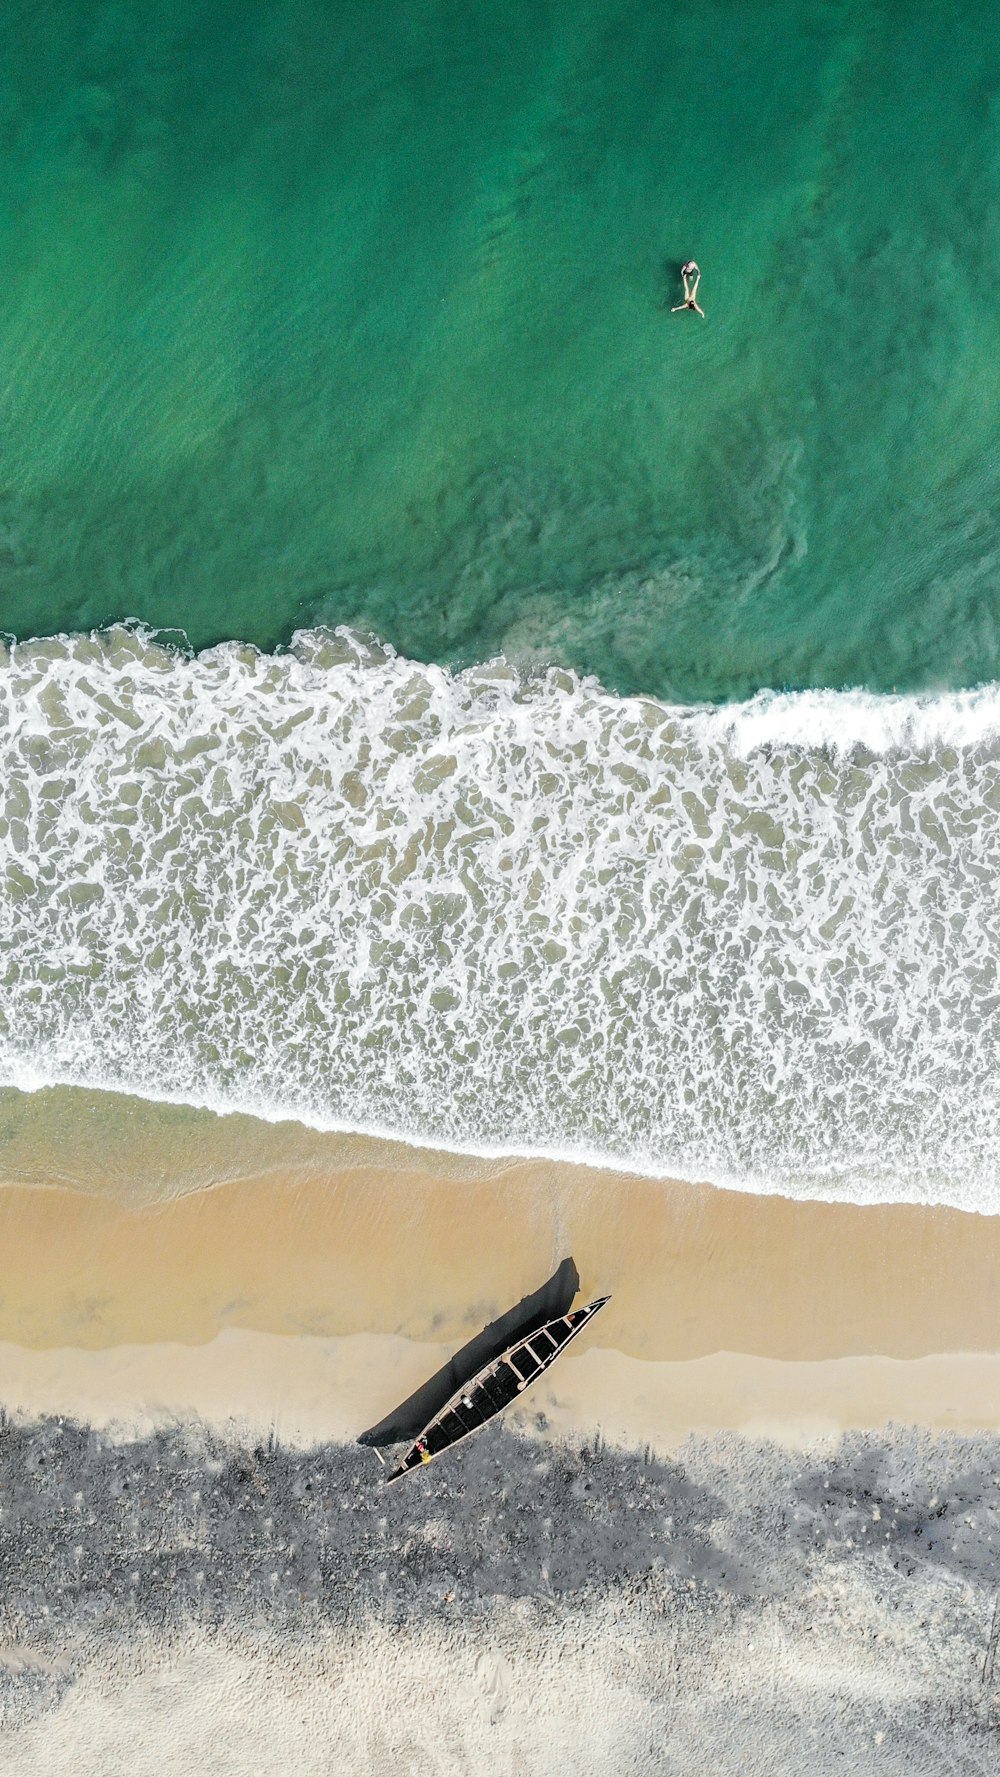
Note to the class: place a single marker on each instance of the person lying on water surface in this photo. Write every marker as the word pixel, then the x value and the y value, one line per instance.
pixel 689 271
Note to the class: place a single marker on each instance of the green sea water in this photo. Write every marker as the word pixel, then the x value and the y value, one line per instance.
pixel 316 312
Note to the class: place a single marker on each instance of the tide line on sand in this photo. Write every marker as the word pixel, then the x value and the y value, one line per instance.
pixel 323 1289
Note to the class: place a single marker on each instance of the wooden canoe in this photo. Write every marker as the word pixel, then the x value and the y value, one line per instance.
pixel 493 1388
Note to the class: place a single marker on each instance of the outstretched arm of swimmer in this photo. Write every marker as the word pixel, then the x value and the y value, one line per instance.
pixel 679 309
pixel 697 310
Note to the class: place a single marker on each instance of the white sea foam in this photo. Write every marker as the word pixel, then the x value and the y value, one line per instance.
pixel 756 944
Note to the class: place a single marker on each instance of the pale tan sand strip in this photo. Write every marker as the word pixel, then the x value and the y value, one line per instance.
pixel 412 1249
pixel 306 1391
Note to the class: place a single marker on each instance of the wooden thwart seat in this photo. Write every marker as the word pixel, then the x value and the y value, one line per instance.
pixel 487 1393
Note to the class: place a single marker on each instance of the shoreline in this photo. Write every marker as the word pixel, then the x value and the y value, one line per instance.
pixel 144 1117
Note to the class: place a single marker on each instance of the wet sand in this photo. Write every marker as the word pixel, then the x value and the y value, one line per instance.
pixel 396 1243
pixel 322 1286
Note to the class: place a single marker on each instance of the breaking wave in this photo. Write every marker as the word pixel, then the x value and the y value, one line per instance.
pixel 756 944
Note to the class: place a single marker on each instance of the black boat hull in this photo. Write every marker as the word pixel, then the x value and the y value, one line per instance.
pixel 495 1387
pixel 412 1416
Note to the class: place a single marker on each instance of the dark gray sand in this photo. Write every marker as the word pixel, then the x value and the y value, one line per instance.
pixel 185 1604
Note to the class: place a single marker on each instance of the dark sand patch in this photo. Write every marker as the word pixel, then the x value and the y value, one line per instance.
pixel 743 1609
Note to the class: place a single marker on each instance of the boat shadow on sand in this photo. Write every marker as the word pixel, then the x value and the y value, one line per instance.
pixel 409 1419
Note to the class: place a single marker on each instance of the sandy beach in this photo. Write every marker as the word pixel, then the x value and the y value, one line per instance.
pixel 269 1275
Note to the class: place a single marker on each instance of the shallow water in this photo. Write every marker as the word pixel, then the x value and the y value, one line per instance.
pixel 315 314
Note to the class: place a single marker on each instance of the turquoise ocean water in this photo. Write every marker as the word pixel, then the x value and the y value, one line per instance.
pixel 316 313
pixel 572 727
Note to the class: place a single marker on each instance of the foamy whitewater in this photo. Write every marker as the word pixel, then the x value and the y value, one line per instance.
pixel 754 944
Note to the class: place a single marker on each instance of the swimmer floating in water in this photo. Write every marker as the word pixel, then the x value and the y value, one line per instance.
pixel 689 271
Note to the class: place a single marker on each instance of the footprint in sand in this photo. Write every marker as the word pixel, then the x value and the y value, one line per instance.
pixel 492 1679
